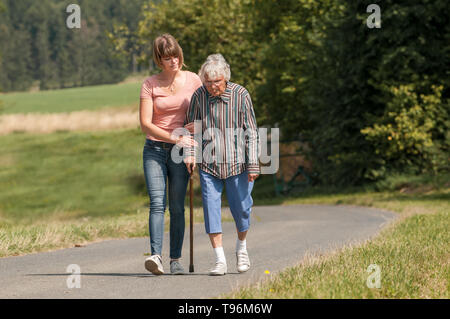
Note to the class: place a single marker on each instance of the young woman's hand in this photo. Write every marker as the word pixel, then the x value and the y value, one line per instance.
pixel 186 141
pixel 190 127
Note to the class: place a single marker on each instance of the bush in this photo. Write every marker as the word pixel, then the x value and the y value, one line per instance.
pixel 412 133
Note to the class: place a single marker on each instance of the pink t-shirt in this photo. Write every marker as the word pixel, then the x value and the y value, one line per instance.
pixel 169 111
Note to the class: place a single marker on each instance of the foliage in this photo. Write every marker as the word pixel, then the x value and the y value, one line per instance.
pixel 36 45
pixel 313 68
pixel 327 80
pixel 202 28
pixel 291 32
pixel 317 71
pixel 405 136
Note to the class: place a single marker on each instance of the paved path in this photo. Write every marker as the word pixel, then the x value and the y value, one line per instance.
pixel 279 237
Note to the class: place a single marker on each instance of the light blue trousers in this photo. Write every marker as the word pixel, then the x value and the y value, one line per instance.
pixel 238 190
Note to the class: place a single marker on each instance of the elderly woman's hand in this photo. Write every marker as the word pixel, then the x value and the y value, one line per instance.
pixel 252 177
pixel 190 164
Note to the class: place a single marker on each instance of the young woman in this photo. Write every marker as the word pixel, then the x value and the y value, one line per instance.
pixel 165 98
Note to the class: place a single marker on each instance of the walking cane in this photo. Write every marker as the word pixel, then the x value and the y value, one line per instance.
pixel 191 221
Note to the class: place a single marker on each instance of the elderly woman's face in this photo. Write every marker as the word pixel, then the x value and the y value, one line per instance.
pixel 215 86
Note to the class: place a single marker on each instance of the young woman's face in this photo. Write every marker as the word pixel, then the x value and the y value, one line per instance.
pixel 170 63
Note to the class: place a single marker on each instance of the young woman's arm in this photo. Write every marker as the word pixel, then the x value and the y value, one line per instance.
pixel 145 117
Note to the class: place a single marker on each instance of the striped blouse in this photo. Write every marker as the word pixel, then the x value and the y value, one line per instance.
pixel 229 134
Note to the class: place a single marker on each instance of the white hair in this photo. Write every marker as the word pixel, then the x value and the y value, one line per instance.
pixel 214 67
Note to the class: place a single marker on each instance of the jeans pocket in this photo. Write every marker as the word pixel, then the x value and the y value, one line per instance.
pixel 153 151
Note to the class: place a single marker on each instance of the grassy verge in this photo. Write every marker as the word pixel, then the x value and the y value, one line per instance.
pixel 39 237
pixel 412 253
pixel 412 256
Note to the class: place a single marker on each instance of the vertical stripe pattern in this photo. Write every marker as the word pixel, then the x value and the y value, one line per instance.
pixel 229 139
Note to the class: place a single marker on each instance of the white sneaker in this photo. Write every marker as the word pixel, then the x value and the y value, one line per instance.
pixel 154 265
pixel 242 261
pixel 219 269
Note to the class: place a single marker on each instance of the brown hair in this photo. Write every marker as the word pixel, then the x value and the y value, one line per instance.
pixel 166 46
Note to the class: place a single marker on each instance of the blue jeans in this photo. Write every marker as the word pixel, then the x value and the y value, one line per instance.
pixel 159 168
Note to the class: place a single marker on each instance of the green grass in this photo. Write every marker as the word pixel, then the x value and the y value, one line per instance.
pixel 412 256
pixel 36 237
pixel 60 189
pixel 70 175
pixel 73 99
pixel 412 253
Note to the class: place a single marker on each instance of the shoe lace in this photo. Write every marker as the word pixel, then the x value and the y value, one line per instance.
pixel 218 264
pixel 243 257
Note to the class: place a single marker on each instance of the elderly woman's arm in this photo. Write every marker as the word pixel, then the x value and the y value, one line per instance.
pixel 251 143
pixel 192 113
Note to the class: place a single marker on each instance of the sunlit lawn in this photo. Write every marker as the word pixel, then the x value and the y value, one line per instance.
pixel 70 100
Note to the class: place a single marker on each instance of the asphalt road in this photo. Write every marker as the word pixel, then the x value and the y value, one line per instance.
pixel 279 237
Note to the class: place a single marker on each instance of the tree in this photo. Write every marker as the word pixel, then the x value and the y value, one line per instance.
pixel 2 29
pixel 16 55
pixel 56 56
pixel 330 78
pixel 412 82
pixel 203 28
pixel 15 50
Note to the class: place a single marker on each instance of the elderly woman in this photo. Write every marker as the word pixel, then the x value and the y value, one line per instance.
pixel 225 108
pixel 165 98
